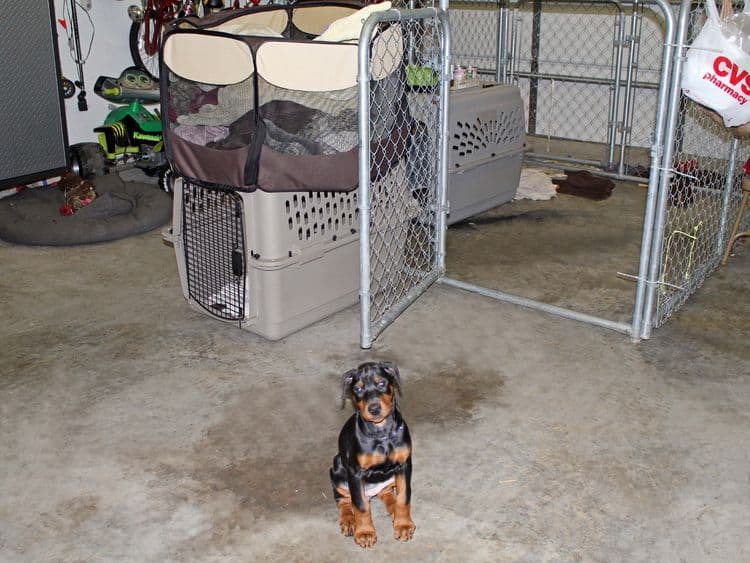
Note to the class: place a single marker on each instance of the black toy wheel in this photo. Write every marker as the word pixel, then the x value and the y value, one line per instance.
pixel 68 88
pixel 87 160
pixel 141 59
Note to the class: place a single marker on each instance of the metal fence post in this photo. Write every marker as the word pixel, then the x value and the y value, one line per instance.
pixel 664 169
pixel 442 195
pixel 618 46
pixel 627 112
pixel 656 163
pixel 364 182
pixel 501 66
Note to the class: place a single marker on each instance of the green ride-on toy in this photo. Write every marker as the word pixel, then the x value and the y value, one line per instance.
pixel 131 134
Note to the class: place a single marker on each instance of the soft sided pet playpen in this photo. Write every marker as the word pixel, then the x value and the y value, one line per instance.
pixel 260 126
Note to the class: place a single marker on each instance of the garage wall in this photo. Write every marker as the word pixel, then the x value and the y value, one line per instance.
pixel 110 54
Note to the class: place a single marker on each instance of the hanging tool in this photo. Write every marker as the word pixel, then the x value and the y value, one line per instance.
pixel 82 104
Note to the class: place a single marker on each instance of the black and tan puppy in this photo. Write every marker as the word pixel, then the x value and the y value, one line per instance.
pixel 374 456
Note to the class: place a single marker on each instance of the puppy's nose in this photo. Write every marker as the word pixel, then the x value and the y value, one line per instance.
pixel 373 409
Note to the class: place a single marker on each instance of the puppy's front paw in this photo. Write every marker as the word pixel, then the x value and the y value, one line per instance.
pixel 346 523
pixel 365 537
pixel 403 529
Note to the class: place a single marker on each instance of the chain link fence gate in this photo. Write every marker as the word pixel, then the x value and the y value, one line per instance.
pixel 561 55
pixel 699 195
pixel 402 171
pixel 478 43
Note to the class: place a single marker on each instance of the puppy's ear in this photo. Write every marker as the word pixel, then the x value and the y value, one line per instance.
pixel 392 371
pixel 346 385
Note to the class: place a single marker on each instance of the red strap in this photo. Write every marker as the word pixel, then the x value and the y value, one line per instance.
pixel 165 12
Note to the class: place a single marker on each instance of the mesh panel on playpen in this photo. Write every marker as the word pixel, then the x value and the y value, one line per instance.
pixel 248 107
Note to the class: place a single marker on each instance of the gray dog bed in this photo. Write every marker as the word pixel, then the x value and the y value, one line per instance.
pixel 122 209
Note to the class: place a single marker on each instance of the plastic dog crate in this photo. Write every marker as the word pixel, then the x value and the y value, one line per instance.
pixel 275 263
pixel 272 262
pixel 485 149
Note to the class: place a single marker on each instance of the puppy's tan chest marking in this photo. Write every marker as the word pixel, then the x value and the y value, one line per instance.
pixel 368 460
pixel 398 455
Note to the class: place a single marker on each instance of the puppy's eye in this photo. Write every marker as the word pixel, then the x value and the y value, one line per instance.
pixel 358 390
pixel 382 384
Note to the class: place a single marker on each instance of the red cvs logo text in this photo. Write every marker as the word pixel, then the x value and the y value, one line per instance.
pixel 727 68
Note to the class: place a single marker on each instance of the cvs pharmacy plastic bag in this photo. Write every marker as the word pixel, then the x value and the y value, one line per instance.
pixel 717 70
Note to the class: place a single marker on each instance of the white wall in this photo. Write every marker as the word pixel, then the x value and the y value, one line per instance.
pixel 110 54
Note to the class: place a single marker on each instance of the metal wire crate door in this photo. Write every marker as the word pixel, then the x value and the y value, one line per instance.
pixel 402 178
pixel 212 231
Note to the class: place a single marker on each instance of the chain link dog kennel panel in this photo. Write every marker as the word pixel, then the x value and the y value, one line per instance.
pixel 403 214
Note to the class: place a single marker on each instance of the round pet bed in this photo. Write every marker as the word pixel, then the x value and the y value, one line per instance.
pixel 120 210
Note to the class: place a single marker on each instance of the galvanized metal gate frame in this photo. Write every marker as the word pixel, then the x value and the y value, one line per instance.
pixel 370 328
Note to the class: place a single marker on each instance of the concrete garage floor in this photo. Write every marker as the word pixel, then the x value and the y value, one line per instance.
pixel 566 251
pixel 136 429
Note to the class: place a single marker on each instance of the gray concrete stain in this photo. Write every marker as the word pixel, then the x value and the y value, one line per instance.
pixel 449 397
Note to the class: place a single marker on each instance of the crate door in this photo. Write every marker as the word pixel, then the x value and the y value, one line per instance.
pixel 214 246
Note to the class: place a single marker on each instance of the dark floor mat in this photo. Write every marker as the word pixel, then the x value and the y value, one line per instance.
pixel 585 184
